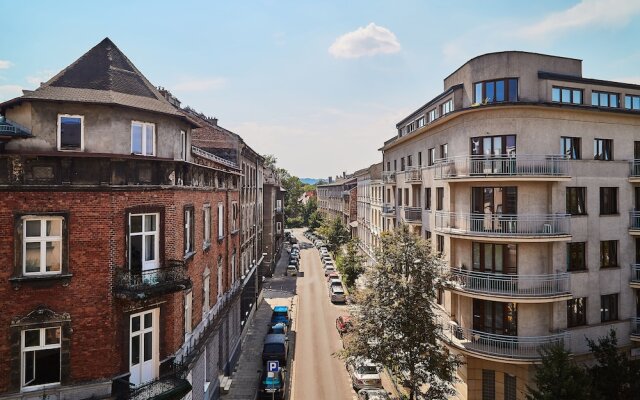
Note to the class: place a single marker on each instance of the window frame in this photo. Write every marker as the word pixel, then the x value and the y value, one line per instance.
pixel 611 248
pixel 572 92
pixel 575 149
pixel 633 101
pixel 42 240
pixel 59 132
pixel 189 231
pixel 439 198
pixel 220 221
pixel 579 194
pixel 144 233
pixel 582 248
pixel 206 226
pixel 576 312
pixel 183 145
pixel 143 140
pixel 609 209
pixel 507 86
pixel 609 95
pixel 40 347
pixel 610 313
pixel 427 198
pixel 603 149
pixel 431 156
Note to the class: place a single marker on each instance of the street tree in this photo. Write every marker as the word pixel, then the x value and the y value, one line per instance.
pixel 336 233
pixel 315 220
pixel 350 263
pixel 558 377
pixel 395 323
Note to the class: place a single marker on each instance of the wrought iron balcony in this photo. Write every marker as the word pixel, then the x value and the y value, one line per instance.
pixel 388 208
pixel 503 225
pixel 153 282
pixel 389 177
pixel 634 220
pixel 526 348
pixel 413 214
pixel 170 385
pixel 512 286
pixel 413 175
pixel 502 166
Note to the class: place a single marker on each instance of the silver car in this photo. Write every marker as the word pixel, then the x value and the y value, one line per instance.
pixel 337 294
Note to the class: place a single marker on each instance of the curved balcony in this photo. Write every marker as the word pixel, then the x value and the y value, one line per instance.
pixel 389 177
pixel 634 222
pixel 504 167
pixel 635 276
pixel 413 215
pixel 413 175
pixel 505 227
pixel 388 209
pixel 523 349
pixel 522 288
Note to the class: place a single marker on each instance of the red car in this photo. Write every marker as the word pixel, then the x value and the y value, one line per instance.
pixel 332 275
pixel 343 324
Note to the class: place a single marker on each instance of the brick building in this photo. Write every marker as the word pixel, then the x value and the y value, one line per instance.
pixel 120 241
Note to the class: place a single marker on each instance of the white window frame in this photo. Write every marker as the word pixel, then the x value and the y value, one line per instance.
pixel 220 221
pixel 59 134
pixel 41 346
pixel 207 226
pixel 155 233
pixel 234 216
pixel 233 266
pixel 188 231
pixel 206 295
pixel 219 278
pixel 183 145
pixel 188 314
pixel 144 138
pixel 42 240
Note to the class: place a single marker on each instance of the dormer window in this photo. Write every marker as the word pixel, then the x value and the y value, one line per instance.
pixel 70 132
pixel 143 138
pixel 496 91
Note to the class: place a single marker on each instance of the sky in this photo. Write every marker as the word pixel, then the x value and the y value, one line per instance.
pixel 319 84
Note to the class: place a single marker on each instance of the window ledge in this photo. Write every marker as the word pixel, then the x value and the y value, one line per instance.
pixel 617 267
pixel 578 215
pixel 189 255
pixel 206 246
pixel 578 271
pixel 610 215
pixel 235 232
pixel 220 238
pixel 40 278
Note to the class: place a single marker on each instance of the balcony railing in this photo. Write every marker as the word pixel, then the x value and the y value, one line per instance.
pixel 635 169
pixel 635 326
pixel 388 208
pixel 503 346
pixel 147 283
pixel 279 210
pixel 634 220
pixel 413 175
pixel 501 166
pixel 517 286
pixel 413 214
pixel 171 384
pixel 508 225
pixel 635 273
pixel 389 177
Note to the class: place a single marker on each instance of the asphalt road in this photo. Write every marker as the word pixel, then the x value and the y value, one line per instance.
pixel 317 373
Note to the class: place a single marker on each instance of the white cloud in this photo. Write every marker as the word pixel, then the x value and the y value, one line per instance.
pixel 367 41
pixel 199 84
pixel 4 64
pixel 8 92
pixel 40 77
pixel 600 13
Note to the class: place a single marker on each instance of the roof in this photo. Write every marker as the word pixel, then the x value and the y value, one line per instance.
pixel 9 130
pixel 103 75
pixel 579 79
pixel 280 308
pixel 430 103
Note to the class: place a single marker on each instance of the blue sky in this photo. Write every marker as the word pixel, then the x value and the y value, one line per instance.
pixel 320 84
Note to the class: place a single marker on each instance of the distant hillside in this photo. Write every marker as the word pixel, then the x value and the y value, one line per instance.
pixel 309 181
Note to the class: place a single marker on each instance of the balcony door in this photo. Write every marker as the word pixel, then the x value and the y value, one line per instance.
pixel 144 349
pixel 490 154
pixel 491 202
pixel 495 317
pixel 144 245
pixel 495 258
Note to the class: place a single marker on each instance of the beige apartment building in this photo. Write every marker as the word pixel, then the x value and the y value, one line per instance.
pixel 525 175
pixel 369 210
pixel 338 199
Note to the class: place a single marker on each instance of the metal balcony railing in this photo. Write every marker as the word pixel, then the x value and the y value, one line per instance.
pixel 503 165
pixel 504 346
pixel 413 214
pixel 413 175
pixel 140 284
pixel 634 220
pixel 389 177
pixel 635 168
pixel 635 273
pixel 388 208
pixel 516 286
pixel 508 225
pixel 635 326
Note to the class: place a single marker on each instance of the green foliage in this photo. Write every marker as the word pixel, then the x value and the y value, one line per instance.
pixel 350 263
pixel 294 222
pixel 395 323
pixel 335 232
pixel 309 209
pixel 315 220
pixel 558 377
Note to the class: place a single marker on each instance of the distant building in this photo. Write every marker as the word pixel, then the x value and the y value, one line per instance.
pixel 338 199
pixel 306 196
pixel 369 210
pixel 274 221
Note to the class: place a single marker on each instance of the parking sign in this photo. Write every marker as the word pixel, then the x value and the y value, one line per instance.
pixel 273 366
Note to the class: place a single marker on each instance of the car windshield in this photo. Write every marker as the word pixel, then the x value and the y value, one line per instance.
pixel 272 348
pixel 367 369
pixel 280 314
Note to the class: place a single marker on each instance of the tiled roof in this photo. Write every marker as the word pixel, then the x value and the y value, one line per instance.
pixel 103 75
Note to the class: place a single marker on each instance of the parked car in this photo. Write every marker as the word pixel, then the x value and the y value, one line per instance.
pixel 373 394
pixel 279 328
pixel 292 270
pixel 319 243
pixel 329 269
pixel 337 294
pixel 280 314
pixel 364 374
pixel 343 324
pixel 295 261
pixel 295 246
pixel 275 348
pixel 329 264
pixel 332 275
pixel 272 384
pixel 334 280
pixel 293 240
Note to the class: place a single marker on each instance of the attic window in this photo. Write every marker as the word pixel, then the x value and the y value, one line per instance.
pixel 70 132
pixel 143 138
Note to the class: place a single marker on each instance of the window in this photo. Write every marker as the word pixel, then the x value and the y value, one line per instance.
pixel 493 146
pixel 447 107
pixel 406 197
pixel 278 226
pixel 420 158
pixel 399 197
pixel 70 132
pixel 576 256
pixel 235 214
pixel 205 295
pixel 431 156
pixel 440 296
pixel 608 200
pixel 576 200
pixel 143 138
pixel 388 165
pixel 188 230
pixel 233 266
pixel 395 165
pixel 183 145
pixel 421 122
pixel 494 258
pixel 409 161
pixel 488 384
pixel 632 102
pixel 605 99
pixel 143 242
pixel 432 114
pixel 220 221
pixel 496 91
pixel 188 310
pixel 41 245
pixel 401 163
pixel 427 234
pixel 219 276
pixel 206 225
pixel 509 387
pixel 427 198
pixel 495 317
pixel 603 149
pixel 41 357
pixel 570 147
pixel 439 199
pixel 444 151
pixel 566 95
pixel 609 307
pixel 576 312
pixel 608 254
pixel 440 243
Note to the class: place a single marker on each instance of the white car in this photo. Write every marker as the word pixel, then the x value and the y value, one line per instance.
pixel 292 270
pixel 329 269
pixel 364 374
pixel 334 280
pixel 337 295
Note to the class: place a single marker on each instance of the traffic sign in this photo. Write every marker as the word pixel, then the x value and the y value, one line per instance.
pixel 273 366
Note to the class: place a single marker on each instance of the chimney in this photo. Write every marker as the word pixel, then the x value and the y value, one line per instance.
pixel 169 97
pixel 330 180
pixel 213 121
pixel 344 174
